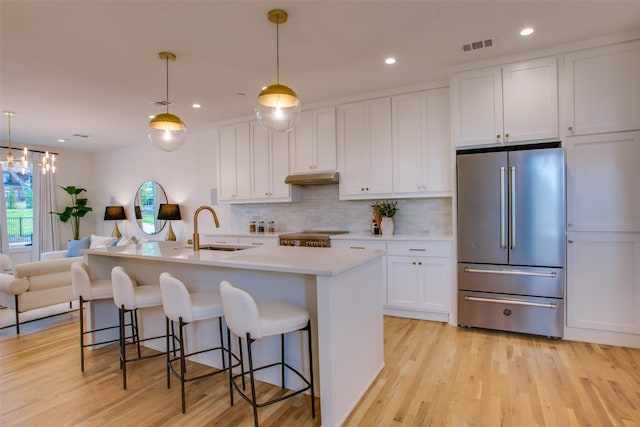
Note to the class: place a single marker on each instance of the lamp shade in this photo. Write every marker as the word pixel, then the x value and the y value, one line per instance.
pixel 114 213
pixel 169 211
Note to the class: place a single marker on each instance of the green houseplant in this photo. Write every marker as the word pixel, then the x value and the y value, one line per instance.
pixel 385 210
pixel 77 210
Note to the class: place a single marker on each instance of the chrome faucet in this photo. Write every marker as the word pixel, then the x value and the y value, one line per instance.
pixel 196 236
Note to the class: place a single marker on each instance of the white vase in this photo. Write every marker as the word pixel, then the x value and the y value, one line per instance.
pixel 387 226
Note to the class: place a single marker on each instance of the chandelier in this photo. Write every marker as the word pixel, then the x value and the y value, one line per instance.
pixel 47 162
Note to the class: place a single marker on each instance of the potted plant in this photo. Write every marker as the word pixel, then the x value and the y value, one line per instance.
pixel 386 210
pixel 77 210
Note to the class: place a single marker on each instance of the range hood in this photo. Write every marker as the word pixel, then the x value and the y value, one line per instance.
pixel 313 178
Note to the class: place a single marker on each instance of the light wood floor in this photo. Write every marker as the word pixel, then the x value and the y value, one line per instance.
pixel 435 375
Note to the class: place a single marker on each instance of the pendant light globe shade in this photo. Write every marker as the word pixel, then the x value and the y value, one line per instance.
pixel 278 108
pixel 167 132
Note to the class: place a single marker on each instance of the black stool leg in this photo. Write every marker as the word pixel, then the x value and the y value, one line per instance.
pixel 182 362
pixel 123 351
pixel 282 358
pixel 80 302
pixel 230 369
pixel 254 401
pixel 168 352
pixel 313 396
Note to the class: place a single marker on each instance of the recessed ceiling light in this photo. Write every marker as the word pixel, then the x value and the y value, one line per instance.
pixel 526 31
pixel 390 61
pixel 196 105
pixel 151 116
pixel 62 140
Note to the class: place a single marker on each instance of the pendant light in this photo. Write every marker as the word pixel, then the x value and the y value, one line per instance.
pixel 278 105
pixel 10 162
pixel 166 131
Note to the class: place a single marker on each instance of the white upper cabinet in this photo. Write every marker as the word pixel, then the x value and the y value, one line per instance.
pixel 269 164
pixel 603 182
pixel 603 89
pixel 364 149
pixel 234 163
pixel 313 142
pixel 421 144
pixel 513 103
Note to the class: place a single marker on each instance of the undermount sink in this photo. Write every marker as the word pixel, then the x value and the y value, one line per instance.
pixel 228 248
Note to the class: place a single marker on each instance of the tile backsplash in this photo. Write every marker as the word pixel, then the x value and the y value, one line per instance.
pixel 320 209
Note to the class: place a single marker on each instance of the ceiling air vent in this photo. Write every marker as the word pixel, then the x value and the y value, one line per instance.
pixel 81 135
pixel 468 47
pixel 162 103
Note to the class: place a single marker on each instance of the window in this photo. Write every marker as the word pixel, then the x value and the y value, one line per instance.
pixel 18 195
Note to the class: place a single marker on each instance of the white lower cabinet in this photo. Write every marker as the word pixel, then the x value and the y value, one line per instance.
pixel 259 240
pixel 419 276
pixel 603 287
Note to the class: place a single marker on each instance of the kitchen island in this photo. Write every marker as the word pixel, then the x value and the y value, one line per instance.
pixel 343 291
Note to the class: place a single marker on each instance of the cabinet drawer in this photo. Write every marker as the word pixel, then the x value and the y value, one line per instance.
pixel 258 241
pixel 436 249
pixel 539 316
pixel 358 244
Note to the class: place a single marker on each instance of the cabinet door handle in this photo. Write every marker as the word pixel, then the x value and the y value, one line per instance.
pixel 356 247
pixel 419 262
pixel 511 302
pixel 510 272
pixel 512 225
pixel 570 241
pixel 503 209
pixel 498 136
pixel 418 249
pixel 413 263
pixel 506 135
pixel 570 128
pixel 256 244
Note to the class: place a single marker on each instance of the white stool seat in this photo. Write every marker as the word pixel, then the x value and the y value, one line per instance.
pixel 87 289
pixel 206 305
pixel 101 289
pixel 129 297
pixel 281 317
pixel 182 307
pixel 146 296
pixel 252 321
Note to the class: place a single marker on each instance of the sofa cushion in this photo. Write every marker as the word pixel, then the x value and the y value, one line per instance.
pixel 75 246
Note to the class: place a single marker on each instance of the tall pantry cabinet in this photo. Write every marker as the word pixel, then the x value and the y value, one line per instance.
pixel 602 123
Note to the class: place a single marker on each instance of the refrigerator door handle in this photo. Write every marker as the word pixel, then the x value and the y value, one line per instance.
pixel 512 223
pixel 503 213
pixel 510 272
pixel 511 302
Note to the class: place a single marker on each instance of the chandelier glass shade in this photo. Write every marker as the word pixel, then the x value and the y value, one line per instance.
pixel 167 131
pixel 278 106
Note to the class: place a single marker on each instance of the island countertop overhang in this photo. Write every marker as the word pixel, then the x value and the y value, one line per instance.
pixel 301 260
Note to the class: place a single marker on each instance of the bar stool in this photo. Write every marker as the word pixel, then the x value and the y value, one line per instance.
pixel 182 307
pixel 86 290
pixel 129 297
pixel 254 320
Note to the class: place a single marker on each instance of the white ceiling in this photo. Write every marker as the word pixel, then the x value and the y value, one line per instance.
pixel 91 67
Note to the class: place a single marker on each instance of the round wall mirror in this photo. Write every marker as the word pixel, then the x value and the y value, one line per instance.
pixel 148 199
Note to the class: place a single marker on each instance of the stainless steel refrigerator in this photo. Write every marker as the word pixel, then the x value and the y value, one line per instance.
pixel 511 240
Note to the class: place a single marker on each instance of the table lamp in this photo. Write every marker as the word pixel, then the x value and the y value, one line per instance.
pixel 115 213
pixel 169 212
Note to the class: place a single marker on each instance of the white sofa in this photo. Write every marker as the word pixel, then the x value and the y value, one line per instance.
pixel 46 282
pixel 37 284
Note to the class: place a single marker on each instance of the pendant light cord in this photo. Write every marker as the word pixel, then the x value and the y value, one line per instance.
pixel 167 75
pixel 278 49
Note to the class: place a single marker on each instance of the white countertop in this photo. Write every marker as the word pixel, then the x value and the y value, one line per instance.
pixel 316 261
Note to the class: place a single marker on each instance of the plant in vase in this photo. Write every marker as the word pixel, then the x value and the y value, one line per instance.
pixel 387 209
pixel 77 210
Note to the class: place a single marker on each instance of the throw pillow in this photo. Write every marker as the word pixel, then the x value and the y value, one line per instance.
pixel 101 241
pixel 75 246
pixel 124 241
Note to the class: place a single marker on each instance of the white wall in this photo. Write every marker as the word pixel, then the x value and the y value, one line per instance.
pixel 187 176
